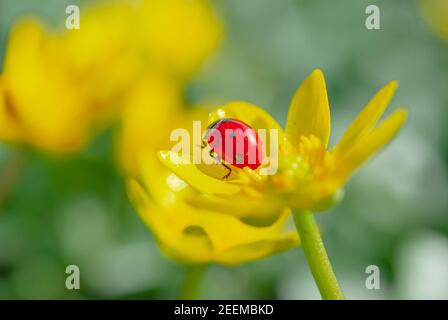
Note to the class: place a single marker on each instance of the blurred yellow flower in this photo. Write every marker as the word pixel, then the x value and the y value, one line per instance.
pixel 56 89
pixel 42 103
pixel 309 174
pixel 435 13
pixel 178 34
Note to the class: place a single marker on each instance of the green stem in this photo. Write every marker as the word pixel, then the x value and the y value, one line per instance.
pixel 316 256
pixel 10 171
pixel 192 282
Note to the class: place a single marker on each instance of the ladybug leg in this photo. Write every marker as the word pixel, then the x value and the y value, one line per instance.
pixel 203 144
pixel 212 154
pixel 228 172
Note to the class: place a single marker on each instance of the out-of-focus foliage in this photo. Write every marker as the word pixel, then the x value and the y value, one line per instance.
pixel 75 211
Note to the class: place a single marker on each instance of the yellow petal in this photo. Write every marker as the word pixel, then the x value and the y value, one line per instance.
pixel 147 118
pixel 249 113
pixel 179 34
pixel 346 164
pixel 9 123
pixel 200 236
pixel 227 233
pixel 168 188
pixel 37 80
pixel 23 45
pixel 106 30
pixel 365 121
pixel 102 52
pixel 165 187
pixel 259 249
pixel 175 232
pixel 191 174
pixel 254 211
pixel 309 112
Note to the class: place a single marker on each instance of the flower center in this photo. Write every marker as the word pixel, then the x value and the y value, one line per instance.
pixel 314 156
pixel 309 162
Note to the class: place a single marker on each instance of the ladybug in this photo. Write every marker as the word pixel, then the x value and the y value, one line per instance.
pixel 233 142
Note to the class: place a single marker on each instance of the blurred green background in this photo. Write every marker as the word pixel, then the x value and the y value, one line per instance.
pixel 74 210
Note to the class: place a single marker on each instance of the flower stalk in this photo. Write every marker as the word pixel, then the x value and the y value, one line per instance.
pixel 316 256
pixel 192 282
pixel 10 172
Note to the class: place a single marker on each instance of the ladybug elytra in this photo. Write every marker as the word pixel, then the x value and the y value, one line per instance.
pixel 234 142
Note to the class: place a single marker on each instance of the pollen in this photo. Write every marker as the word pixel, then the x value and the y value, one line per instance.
pixel 314 156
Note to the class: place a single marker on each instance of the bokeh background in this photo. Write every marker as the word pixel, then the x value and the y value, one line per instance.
pixel 74 210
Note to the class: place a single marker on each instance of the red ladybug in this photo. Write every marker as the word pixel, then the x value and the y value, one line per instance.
pixel 234 142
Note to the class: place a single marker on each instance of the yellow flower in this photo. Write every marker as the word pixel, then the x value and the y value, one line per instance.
pixel 59 88
pixel 197 217
pixel 178 34
pixel 171 36
pixel 310 175
pixel 435 13
pixel 195 236
pixel 184 233
pixel 103 54
pixel 40 100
